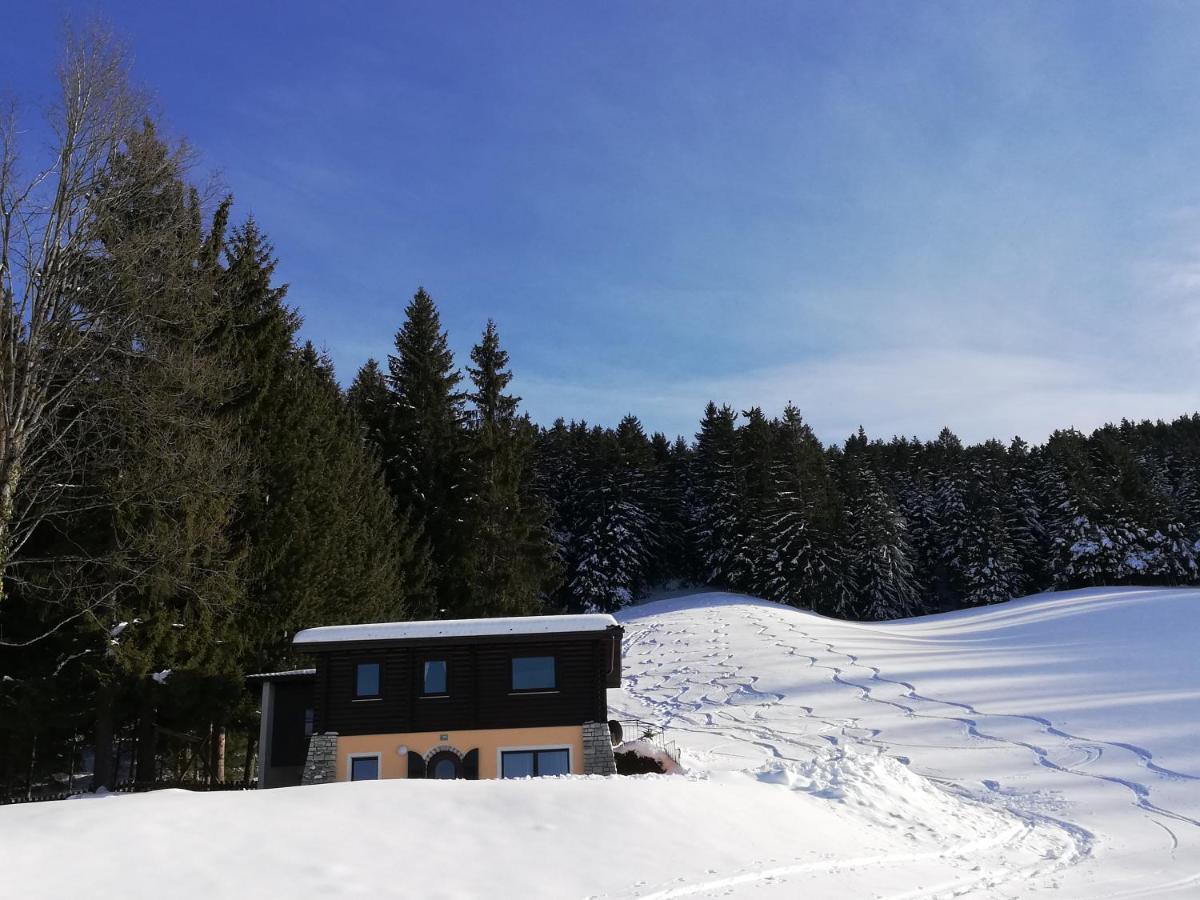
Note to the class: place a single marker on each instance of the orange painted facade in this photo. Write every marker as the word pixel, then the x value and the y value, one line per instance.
pixel 393 749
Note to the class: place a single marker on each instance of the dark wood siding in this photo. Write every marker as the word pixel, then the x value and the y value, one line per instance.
pixel 571 703
pixel 479 680
pixel 455 711
pixel 342 712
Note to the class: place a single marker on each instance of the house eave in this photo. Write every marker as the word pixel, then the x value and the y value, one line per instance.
pixel 459 641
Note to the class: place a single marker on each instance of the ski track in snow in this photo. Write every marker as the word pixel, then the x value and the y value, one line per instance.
pixel 766 875
pixel 705 692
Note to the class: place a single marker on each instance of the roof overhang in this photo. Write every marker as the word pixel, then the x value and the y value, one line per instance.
pixel 290 675
pixel 613 632
pixel 456 630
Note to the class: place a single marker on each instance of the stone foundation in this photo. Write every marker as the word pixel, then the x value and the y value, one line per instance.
pixel 321 765
pixel 598 758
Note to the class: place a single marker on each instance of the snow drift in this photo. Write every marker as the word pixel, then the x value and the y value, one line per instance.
pixel 1046 744
pixel 657 836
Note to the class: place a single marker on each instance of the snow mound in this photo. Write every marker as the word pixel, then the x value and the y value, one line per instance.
pixel 647 836
pixel 886 793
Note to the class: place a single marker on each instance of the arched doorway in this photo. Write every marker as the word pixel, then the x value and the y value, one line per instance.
pixel 445 764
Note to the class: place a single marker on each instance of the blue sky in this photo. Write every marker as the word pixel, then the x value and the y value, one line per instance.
pixel 900 215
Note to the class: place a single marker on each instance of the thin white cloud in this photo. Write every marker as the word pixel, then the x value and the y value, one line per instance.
pixel 978 394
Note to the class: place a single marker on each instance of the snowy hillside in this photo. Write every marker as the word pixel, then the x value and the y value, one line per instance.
pixel 1049 744
pixel 1077 713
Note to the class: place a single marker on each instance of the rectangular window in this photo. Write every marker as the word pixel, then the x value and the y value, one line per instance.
pixel 366 683
pixel 435 677
pixel 533 673
pixel 516 764
pixel 309 722
pixel 364 768
pixel 534 763
pixel 553 762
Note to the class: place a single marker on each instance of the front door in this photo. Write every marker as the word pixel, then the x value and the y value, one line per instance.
pixel 444 765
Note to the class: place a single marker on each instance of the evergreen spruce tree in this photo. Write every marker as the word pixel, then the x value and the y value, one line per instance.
pixel 756 479
pixel 1088 535
pixel 510 562
pixel 377 566
pixel 804 565
pixel 320 536
pixel 715 503
pixel 426 450
pixel 1027 519
pixel 1172 557
pixel 879 551
pixel 609 559
pixel 555 477
pixel 669 481
pixel 158 570
pixel 371 401
pixel 613 530
pixel 990 569
pixel 951 516
pixel 918 503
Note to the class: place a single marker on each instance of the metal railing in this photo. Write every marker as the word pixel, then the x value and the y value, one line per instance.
pixel 651 732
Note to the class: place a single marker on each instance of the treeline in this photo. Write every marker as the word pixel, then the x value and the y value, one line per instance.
pixel 869 529
pixel 184 484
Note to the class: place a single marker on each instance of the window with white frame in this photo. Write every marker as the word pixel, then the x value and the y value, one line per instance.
pixel 535 763
pixel 365 767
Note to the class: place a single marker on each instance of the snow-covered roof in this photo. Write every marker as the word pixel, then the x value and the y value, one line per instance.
pixel 452 628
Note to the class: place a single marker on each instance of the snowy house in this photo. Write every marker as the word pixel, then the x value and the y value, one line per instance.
pixel 466 698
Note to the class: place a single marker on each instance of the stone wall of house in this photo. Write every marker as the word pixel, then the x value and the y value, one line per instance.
pixel 598 758
pixel 321 765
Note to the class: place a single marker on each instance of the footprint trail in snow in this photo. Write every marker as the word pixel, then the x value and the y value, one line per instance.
pixel 739 682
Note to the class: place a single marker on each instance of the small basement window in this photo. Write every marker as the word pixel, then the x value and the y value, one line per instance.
pixel 534 763
pixel 364 768
pixel 366 681
pixel 533 673
pixel 435 677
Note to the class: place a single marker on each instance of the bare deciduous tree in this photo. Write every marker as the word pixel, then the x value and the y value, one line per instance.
pixel 56 323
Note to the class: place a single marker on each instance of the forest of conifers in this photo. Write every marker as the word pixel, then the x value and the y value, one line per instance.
pixel 184 484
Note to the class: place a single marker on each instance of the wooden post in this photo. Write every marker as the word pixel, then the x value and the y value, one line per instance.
pixel 219 754
pixel 251 742
pixel 123 745
pixel 147 736
pixel 210 745
pixel 32 766
pixel 103 775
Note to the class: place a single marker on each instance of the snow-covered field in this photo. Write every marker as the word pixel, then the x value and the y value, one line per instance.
pixel 1076 713
pixel 1046 746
